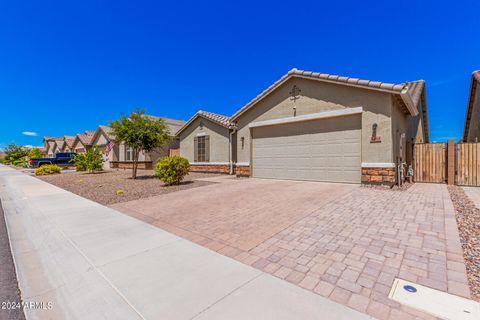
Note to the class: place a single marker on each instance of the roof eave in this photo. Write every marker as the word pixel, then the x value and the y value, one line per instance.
pixel 473 88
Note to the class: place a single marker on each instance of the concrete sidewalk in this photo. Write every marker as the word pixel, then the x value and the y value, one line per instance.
pixel 92 262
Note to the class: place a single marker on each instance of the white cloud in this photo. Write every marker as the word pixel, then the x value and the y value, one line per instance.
pixel 30 133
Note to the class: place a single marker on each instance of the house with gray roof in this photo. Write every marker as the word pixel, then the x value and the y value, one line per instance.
pixel 120 156
pixel 314 126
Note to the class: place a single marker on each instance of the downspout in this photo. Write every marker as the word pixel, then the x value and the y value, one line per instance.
pixel 232 132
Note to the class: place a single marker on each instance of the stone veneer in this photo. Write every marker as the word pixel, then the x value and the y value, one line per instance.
pixel 146 165
pixel 214 168
pixel 378 175
pixel 242 171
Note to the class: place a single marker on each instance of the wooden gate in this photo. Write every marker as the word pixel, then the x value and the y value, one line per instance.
pixel 468 164
pixel 429 162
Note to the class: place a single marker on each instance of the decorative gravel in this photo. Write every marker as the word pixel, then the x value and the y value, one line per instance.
pixel 118 186
pixel 468 220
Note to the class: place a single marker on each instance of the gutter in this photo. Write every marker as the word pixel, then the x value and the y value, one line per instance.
pixel 230 147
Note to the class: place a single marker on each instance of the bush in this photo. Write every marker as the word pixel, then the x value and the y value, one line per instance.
pixel 172 170
pixel 34 153
pixel 47 169
pixel 92 160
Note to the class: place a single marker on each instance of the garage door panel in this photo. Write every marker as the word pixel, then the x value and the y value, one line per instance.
pixel 319 150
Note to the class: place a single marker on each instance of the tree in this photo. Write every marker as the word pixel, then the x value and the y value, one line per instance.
pixel 14 153
pixel 34 153
pixel 141 133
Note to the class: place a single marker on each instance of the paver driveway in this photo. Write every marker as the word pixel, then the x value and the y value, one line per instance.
pixel 344 242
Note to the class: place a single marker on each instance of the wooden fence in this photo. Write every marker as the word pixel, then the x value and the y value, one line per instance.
pixel 429 162
pixel 468 164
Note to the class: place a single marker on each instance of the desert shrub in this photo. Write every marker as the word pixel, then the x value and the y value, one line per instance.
pixel 172 170
pixel 47 169
pixel 80 162
pixel 34 153
pixel 22 162
pixel 15 154
pixel 90 161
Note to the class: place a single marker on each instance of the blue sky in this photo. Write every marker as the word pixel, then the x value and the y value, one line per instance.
pixel 68 66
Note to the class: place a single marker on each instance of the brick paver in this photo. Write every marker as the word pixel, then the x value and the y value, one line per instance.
pixel 348 246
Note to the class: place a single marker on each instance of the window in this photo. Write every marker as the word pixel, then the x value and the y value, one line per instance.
pixel 128 153
pixel 201 149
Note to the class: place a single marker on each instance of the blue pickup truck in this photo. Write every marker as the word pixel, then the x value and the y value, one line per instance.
pixel 63 159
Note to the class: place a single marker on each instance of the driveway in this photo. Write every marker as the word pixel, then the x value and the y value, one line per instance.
pixel 344 242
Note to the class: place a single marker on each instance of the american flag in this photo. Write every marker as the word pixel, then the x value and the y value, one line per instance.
pixel 108 148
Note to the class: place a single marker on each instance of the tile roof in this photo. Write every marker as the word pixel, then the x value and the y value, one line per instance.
pixel 222 120
pixel 409 91
pixel 69 141
pixel 218 118
pixel 172 124
pixel 474 85
pixel 86 137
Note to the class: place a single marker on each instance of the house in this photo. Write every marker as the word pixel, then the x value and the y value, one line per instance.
pixel 471 131
pixel 207 141
pixel 83 142
pixel 314 126
pixel 53 145
pixel 68 144
pixel 121 157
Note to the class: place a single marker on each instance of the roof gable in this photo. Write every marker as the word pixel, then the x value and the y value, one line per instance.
pixel 219 119
pixel 410 92
pixel 474 86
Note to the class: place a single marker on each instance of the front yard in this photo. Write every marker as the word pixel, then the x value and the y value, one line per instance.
pixel 118 186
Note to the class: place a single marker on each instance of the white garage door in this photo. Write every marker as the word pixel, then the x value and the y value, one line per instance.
pixel 317 150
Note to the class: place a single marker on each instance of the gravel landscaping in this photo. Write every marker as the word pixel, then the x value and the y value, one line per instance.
pixel 118 186
pixel 468 220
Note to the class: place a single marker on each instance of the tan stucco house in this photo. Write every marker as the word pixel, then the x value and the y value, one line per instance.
pixel 471 131
pixel 120 156
pixel 83 142
pixel 207 141
pixel 53 145
pixel 314 126
pixel 68 144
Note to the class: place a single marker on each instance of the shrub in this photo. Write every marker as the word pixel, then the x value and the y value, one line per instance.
pixel 47 169
pixel 172 170
pixel 34 153
pixel 92 160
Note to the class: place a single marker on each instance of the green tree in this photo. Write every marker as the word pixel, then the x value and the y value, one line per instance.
pixel 90 161
pixel 14 153
pixel 34 153
pixel 140 132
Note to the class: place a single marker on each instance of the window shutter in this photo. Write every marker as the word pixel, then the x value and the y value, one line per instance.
pixel 207 148
pixel 195 149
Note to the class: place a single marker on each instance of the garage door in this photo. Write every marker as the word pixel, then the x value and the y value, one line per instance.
pixel 317 150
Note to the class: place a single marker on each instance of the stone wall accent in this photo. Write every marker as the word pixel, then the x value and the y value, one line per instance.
pixel 242 171
pixel 378 175
pixel 213 168
pixel 144 165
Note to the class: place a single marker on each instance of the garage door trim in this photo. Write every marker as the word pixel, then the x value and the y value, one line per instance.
pixel 308 117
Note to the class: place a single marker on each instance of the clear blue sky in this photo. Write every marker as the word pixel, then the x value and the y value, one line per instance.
pixel 68 66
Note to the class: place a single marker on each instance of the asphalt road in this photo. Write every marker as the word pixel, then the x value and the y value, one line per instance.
pixel 9 293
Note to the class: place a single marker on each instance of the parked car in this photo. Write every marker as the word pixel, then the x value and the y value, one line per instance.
pixel 61 159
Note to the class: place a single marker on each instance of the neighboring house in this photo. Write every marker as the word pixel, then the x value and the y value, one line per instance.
pixel 121 156
pixel 68 144
pixel 51 146
pixel 320 127
pixel 83 142
pixel 206 140
pixel 471 131
pixel 104 139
